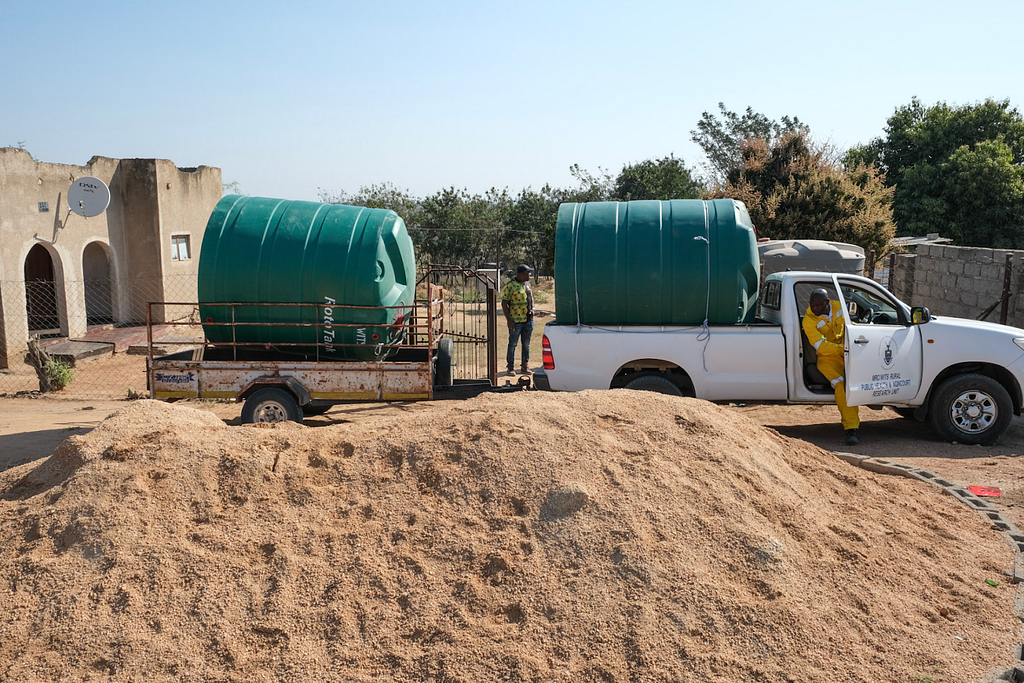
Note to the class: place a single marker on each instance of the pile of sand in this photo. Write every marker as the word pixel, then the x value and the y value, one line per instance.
pixel 600 536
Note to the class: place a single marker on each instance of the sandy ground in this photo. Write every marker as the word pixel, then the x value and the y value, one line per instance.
pixel 31 429
pixel 599 536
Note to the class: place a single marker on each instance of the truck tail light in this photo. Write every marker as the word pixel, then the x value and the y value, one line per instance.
pixel 549 360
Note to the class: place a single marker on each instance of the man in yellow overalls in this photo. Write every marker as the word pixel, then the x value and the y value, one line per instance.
pixel 824 326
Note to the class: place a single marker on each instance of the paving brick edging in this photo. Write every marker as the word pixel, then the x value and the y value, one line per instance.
pixel 1011 534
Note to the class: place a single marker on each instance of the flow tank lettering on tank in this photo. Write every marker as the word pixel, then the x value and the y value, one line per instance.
pixel 329 324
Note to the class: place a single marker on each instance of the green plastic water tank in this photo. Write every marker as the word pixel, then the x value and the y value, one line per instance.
pixel 260 250
pixel 655 263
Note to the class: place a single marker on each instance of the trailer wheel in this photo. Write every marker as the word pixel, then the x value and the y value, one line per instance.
pixel 271 405
pixel 444 370
pixel 654 381
pixel 971 409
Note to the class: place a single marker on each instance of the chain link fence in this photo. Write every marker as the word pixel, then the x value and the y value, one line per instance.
pixel 95 329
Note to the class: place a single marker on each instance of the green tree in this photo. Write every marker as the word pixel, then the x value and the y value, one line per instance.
pixel 796 189
pixel 958 171
pixel 720 138
pixel 382 196
pixel 665 178
pixel 592 188
pixel 458 228
pixel 532 219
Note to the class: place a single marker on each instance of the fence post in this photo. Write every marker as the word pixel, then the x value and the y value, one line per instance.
pixel 1007 274
pixel 869 270
pixel 492 331
pixel 892 268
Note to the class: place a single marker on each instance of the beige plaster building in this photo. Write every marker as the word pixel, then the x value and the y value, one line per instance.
pixel 61 273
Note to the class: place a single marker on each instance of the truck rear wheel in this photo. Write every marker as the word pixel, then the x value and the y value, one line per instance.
pixel 654 381
pixel 971 409
pixel 271 405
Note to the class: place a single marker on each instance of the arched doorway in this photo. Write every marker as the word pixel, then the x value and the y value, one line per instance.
pixel 96 269
pixel 40 291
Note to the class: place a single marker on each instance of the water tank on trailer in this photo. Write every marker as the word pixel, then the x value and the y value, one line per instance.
pixel 262 250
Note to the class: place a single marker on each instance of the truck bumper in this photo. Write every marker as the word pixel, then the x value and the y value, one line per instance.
pixel 540 380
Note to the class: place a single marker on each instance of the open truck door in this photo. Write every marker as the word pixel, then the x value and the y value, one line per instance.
pixel 883 348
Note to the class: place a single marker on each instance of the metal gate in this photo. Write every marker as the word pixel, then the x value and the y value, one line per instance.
pixel 469 313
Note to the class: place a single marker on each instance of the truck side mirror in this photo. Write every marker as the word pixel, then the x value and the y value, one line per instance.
pixel 919 315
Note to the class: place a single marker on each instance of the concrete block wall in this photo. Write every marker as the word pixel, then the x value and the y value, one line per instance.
pixel 960 281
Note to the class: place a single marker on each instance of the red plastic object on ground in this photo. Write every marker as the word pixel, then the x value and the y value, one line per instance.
pixel 990 491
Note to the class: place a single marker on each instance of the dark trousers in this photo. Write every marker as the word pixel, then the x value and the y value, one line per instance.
pixel 521 331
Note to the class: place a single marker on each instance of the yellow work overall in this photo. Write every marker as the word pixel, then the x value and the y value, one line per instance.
pixel 825 332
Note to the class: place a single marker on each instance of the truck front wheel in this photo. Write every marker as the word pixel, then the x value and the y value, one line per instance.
pixel 970 409
pixel 271 405
pixel 654 381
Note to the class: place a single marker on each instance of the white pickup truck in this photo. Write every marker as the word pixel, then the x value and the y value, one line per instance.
pixel 964 376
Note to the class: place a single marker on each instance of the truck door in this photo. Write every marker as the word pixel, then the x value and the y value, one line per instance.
pixel 883 350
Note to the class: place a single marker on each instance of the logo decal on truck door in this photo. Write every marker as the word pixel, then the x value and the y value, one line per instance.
pixel 887 350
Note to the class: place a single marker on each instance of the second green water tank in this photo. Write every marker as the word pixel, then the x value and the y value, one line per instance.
pixel 261 250
pixel 655 263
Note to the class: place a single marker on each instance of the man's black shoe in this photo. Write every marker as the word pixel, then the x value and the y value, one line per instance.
pixel 851 437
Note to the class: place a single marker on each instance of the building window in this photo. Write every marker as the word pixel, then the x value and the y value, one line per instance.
pixel 179 248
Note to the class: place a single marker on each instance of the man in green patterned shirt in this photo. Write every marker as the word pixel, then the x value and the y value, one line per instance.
pixel 517 304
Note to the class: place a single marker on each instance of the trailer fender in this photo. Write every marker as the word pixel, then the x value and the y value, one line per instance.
pixel 287 383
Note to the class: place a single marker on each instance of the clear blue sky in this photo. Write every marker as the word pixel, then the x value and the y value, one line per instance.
pixel 288 97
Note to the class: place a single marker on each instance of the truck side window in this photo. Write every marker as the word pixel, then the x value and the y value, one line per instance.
pixel 772 295
pixel 870 307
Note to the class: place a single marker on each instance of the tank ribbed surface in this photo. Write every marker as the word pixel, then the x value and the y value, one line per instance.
pixel 655 263
pixel 262 250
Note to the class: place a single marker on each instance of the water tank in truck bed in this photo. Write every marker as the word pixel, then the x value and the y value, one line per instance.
pixel 260 250
pixel 655 263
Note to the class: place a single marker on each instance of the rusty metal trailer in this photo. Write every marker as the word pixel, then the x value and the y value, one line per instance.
pixel 277 382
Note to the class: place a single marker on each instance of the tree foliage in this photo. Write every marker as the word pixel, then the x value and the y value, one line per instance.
pixel 665 178
pixel 958 171
pixel 531 220
pixel 458 228
pixel 455 227
pixel 721 138
pixel 592 188
pixel 797 189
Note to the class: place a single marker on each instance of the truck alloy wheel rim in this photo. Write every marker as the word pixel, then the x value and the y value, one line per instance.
pixel 973 411
pixel 270 412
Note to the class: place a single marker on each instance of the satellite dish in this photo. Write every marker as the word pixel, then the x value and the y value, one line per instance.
pixel 88 196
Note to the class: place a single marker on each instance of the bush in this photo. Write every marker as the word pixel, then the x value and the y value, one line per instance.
pixel 59 373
